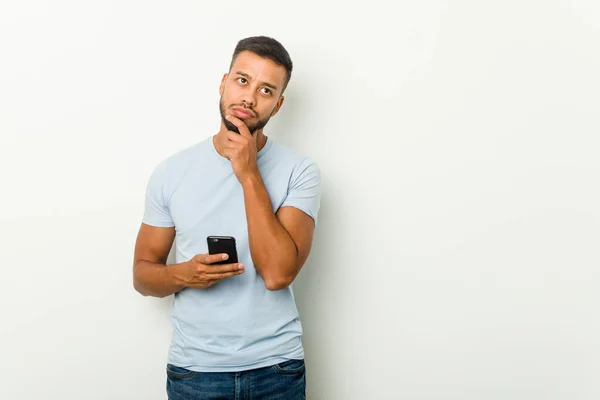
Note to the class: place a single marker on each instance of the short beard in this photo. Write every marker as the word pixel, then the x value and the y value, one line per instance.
pixel 261 123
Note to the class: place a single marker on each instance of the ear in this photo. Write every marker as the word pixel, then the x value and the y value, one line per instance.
pixel 222 86
pixel 278 106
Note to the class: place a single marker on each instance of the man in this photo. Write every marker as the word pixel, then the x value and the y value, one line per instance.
pixel 236 331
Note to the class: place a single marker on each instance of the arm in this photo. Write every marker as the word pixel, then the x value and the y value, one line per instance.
pixel 152 277
pixel 279 243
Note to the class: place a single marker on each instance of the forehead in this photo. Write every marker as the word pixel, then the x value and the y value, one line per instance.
pixel 259 68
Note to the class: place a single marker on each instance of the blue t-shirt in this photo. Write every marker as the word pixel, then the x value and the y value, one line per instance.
pixel 236 324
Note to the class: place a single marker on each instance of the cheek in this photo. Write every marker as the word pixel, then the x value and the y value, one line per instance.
pixel 268 109
pixel 273 109
pixel 229 93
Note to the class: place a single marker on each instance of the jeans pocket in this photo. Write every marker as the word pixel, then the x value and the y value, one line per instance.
pixel 175 372
pixel 290 367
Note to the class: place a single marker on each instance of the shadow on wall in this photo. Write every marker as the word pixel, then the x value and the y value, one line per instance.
pixel 314 277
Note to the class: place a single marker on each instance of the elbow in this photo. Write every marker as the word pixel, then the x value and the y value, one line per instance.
pixel 143 290
pixel 278 283
pixel 137 285
pixel 139 288
pixel 278 276
pixel 138 282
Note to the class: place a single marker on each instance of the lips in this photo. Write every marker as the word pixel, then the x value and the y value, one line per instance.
pixel 240 113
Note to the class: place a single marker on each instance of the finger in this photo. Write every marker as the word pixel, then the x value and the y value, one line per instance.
pixel 234 145
pixel 223 269
pixel 212 280
pixel 229 153
pixel 210 258
pixel 235 138
pixel 225 275
pixel 240 125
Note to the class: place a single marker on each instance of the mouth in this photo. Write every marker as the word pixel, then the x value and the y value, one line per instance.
pixel 242 113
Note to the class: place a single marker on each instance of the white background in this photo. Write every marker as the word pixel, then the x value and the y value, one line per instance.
pixel 457 255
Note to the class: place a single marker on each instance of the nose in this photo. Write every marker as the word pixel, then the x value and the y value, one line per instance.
pixel 248 98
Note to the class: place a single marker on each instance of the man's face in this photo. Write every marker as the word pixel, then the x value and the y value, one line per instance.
pixel 251 91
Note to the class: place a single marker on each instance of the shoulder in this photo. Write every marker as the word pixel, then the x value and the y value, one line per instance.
pixel 168 173
pixel 293 157
pixel 299 168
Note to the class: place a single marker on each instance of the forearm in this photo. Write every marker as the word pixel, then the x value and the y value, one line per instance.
pixel 273 251
pixel 157 280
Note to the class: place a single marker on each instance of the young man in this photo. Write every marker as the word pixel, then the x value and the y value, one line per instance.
pixel 236 331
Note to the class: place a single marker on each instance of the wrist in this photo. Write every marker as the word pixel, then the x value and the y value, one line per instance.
pixel 176 274
pixel 252 179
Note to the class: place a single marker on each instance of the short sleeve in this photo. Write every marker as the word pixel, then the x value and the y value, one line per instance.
pixel 156 209
pixel 304 191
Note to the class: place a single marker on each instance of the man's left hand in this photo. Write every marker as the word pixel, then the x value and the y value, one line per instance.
pixel 241 150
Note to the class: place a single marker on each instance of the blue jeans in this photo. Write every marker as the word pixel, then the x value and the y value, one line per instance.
pixel 284 381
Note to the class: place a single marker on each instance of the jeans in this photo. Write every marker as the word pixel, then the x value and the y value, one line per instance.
pixel 284 381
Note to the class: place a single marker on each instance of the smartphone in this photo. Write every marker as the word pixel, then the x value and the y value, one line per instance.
pixel 223 244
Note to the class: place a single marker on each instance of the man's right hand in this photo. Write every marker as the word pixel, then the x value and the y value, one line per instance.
pixel 198 273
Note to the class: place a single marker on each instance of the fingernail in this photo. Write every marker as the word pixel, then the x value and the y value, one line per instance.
pixel 225 256
pixel 241 266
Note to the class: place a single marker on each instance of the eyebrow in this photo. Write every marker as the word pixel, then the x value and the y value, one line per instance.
pixel 245 75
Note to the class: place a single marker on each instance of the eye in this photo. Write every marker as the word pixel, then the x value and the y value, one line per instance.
pixel 266 90
pixel 241 80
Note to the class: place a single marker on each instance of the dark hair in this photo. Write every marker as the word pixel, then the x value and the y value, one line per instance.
pixel 266 47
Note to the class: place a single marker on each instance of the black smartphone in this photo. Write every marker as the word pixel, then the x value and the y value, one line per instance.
pixel 223 244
